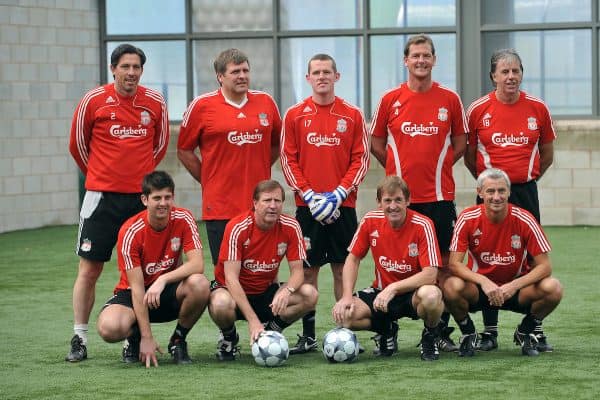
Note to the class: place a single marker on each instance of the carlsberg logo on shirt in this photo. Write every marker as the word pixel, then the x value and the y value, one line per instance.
pixel 322 140
pixel 123 132
pixel 241 138
pixel 504 140
pixel 412 129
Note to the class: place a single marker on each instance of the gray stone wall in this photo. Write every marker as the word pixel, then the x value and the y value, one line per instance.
pixel 569 191
pixel 48 59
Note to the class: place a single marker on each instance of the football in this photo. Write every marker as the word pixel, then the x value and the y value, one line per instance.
pixel 271 349
pixel 340 345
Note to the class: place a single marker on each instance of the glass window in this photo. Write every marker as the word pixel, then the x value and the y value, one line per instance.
pixel 535 11
pixel 390 73
pixel 164 71
pixel 128 17
pixel 232 15
pixel 319 14
pixel 295 53
pixel 260 56
pixel 406 13
pixel 557 66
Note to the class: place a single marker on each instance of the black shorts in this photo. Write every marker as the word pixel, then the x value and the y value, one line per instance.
pixel 215 229
pixel 511 304
pixel 169 306
pixel 327 243
pixel 524 195
pixel 261 303
pixel 100 218
pixel 443 215
pixel 399 307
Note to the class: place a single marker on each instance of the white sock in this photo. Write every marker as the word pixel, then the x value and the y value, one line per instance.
pixel 81 330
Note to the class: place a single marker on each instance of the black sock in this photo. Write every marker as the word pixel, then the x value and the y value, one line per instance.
pixel 466 326
pixel 229 333
pixel 135 336
pixel 528 324
pixel 444 319
pixel 180 333
pixel 538 330
pixel 490 320
pixel 308 324
pixel 277 324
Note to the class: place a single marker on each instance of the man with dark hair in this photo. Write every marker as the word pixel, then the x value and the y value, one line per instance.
pixel 155 284
pixel 418 132
pixel 498 237
pixel 324 157
pixel 119 133
pixel 245 285
pixel 404 249
pixel 237 132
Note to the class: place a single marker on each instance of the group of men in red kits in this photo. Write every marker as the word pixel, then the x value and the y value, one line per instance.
pixel 418 132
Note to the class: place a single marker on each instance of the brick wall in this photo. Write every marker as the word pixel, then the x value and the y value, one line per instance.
pixel 48 59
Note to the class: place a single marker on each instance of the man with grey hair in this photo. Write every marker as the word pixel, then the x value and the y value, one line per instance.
pixel 511 130
pixel 237 133
pixel 498 237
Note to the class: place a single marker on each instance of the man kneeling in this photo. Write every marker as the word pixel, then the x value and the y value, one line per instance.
pixel 155 286
pixel 245 285
pixel 406 255
pixel 498 237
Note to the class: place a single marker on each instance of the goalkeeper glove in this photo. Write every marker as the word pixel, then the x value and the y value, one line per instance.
pixel 337 197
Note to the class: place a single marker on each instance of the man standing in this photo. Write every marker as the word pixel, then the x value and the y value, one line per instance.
pixel 404 249
pixel 324 157
pixel 511 130
pixel 119 133
pixel 155 284
pixel 498 237
pixel 418 133
pixel 237 133
pixel 245 285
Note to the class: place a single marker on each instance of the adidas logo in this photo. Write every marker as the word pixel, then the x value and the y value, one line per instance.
pixel 375 233
pixel 307 109
pixel 396 104
pixel 477 232
pixel 487 116
pixel 110 100
pixel 241 115
pixel 247 243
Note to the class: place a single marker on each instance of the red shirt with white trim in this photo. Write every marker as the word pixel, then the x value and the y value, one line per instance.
pixel 419 127
pixel 323 147
pixel 156 252
pixel 235 147
pixel 398 253
pixel 498 250
pixel 507 136
pixel 117 140
pixel 260 252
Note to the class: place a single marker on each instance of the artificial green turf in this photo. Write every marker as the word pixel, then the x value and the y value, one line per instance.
pixel 38 268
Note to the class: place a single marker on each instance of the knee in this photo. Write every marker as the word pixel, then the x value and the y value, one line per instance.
pixel 108 329
pixel 430 297
pixel 310 295
pixel 552 288
pixel 220 302
pixel 198 285
pixel 89 271
pixel 452 287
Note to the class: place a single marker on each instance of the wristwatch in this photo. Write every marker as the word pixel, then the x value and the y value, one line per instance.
pixel 290 289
